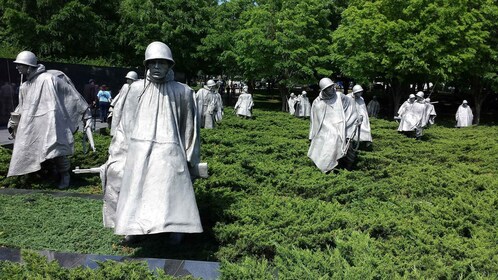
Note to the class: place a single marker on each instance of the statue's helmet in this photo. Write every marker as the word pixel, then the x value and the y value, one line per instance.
pixel 27 58
pixel 325 83
pixel 427 100
pixel 357 88
pixel 132 75
pixel 303 92
pixel 420 94
pixel 158 50
pixel 411 96
pixel 211 83
pixel 464 102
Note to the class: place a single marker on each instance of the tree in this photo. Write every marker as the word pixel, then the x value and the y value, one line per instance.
pixel 178 23
pixel 284 41
pixel 61 29
pixel 407 42
pixel 217 46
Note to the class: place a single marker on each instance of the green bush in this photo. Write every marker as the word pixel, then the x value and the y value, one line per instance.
pixel 409 209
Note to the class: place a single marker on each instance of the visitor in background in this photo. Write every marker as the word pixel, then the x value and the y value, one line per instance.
pixel 104 97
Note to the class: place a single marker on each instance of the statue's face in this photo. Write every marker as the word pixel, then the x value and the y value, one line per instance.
pixel 129 81
pixel 158 68
pixel 330 91
pixel 358 94
pixel 464 105
pixel 23 69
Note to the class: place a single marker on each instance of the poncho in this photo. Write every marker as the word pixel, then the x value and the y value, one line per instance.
pixel 464 116
pixel 244 105
pixel 332 122
pixel 156 143
pixel 208 105
pixel 304 106
pixel 411 116
pixel 50 110
pixel 361 110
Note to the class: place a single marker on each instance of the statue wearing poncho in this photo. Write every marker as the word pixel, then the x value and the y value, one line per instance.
pixel 333 120
pixel 50 109
pixel 157 143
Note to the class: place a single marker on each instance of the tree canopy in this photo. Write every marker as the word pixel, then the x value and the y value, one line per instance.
pixel 288 42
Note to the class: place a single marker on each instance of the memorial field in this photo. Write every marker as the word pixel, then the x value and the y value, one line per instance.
pixel 408 210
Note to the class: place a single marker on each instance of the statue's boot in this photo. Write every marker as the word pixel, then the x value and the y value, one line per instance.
pixel 63 165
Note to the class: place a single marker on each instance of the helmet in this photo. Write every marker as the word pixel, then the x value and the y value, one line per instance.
pixel 211 83
pixel 132 75
pixel 325 83
pixel 464 102
pixel 158 50
pixel 304 92
pixel 357 88
pixel 26 58
pixel 411 96
pixel 420 94
pixel 427 99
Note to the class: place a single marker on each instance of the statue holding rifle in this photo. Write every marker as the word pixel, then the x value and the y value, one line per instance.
pixel 43 124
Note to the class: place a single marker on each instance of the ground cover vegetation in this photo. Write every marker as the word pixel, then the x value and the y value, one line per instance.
pixel 409 209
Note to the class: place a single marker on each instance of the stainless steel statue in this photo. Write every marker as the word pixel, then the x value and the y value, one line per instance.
pixel 464 116
pixel 304 106
pixel 411 115
pixel 243 107
pixel 154 155
pixel 361 110
pixel 334 123
pixel 209 105
pixel 117 102
pixel 49 112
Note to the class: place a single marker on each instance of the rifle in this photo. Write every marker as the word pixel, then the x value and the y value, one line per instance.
pixel 356 132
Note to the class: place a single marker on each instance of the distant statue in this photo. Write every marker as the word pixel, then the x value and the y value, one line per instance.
pixel 243 107
pixel 293 104
pixel 430 113
pixel 334 124
pixel 48 114
pixel 373 107
pixel 304 106
pixel 464 116
pixel 208 104
pixel 361 110
pixel 118 101
pixel 154 155
pixel 411 115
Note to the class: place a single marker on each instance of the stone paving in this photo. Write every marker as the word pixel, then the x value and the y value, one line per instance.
pixel 198 269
